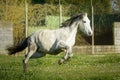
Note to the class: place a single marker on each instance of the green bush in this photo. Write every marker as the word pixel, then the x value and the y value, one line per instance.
pixel 45 15
pixel 53 21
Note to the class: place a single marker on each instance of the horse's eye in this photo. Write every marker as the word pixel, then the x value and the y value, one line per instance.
pixel 84 21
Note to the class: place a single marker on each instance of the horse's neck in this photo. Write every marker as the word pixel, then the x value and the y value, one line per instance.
pixel 70 31
pixel 73 28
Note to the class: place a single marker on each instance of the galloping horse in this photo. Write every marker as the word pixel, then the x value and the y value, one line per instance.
pixel 53 42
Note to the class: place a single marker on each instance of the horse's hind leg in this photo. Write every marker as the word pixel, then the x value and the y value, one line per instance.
pixel 31 50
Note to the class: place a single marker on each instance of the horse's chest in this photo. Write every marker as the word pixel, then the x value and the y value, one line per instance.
pixel 71 40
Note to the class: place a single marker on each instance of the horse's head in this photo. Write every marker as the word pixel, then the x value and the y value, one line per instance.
pixel 82 21
pixel 84 24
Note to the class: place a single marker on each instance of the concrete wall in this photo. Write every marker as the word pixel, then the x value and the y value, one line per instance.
pixel 6 36
pixel 106 49
pixel 117 33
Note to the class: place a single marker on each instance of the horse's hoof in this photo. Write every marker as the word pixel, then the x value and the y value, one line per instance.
pixel 60 61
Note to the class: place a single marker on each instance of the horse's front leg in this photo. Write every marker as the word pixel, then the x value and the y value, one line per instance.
pixel 68 52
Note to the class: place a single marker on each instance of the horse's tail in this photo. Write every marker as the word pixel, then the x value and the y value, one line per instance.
pixel 21 46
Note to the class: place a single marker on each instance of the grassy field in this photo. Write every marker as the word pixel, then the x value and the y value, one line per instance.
pixel 80 67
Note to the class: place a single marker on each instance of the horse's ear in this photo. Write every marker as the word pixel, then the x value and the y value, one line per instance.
pixel 85 14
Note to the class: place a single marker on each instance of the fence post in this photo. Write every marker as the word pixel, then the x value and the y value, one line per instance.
pixel 92 27
pixel 26 18
pixel 60 15
pixel 26 21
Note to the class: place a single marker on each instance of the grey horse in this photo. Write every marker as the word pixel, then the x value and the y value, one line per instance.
pixel 53 42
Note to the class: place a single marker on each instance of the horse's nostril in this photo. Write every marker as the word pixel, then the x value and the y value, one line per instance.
pixel 90 33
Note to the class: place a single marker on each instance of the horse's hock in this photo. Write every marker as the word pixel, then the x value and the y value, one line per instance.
pixel 6 36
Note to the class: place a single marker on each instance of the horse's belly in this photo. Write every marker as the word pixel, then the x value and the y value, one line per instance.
pixel 55 52
pixel 45 47
pixel 49 48
pixel 46 40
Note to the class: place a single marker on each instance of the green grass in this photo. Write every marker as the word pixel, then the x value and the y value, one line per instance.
pixel 80 67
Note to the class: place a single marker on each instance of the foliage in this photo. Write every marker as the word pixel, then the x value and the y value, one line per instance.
pixel 80 67
pixel 101 6
pixel 53 21
pixel 13 11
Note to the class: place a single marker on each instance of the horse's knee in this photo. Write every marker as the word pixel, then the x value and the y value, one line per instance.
pixel 61 61
pixel 25 60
